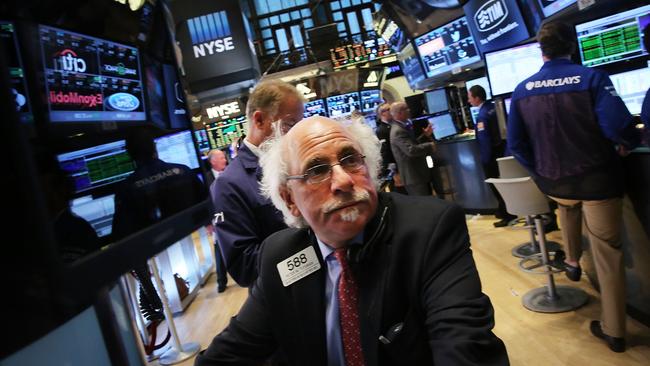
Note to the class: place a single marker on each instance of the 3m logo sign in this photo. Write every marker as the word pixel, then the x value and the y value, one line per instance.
pixel 490 15
pixel 210 34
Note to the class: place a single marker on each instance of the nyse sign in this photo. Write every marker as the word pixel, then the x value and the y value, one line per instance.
pixel 224 110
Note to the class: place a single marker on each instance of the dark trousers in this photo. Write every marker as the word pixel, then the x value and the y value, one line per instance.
pixel 222 275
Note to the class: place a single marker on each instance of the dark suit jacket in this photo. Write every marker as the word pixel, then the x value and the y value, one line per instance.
pixel 415 268
pixel 410 155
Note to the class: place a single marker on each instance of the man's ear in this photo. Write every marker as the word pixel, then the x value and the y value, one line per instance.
pixel 287 197
pixel 258 118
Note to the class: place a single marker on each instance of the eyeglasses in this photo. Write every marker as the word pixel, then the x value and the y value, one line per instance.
pixel 322 172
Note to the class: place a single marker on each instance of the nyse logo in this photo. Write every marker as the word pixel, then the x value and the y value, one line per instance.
pixel 223 110
pixel 490 15
pixel 67 60
pixel 210 34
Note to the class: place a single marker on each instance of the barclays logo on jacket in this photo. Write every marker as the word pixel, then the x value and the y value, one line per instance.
pixel 553 82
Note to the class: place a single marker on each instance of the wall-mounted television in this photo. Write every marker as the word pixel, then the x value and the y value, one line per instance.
pixel 177 148
pixel 613 38
pixel 443 126
pixel 16 70
pixel 496 24
pixel 89 79
pixel 446 48
pixel 632 87
pixel 315 108
pixel 370 100
pixel 482 81
pixel 411 66
pixel 436 101
pixel 509 67
pixel 342 105
pixel 550 7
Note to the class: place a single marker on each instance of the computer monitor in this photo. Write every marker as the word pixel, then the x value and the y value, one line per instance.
pixel 447 47
pixel 98 211
pixel 443 126
pixel 613 38
pixel 550 7
pixel 436 101
pixel 370 100
pixel 411 66
pixel 482 81
pixel 509 67
pixel 506 103
pixel 16 71
pixel 342 105
pixel 632 87
pixel 177 148
pixel 315 108
pixel 89 79
pixel 97 166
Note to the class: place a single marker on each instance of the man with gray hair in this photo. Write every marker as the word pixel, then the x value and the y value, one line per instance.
pixel 243 217
pixel 361 278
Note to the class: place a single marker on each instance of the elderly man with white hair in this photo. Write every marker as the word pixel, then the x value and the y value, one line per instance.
pixel 360 277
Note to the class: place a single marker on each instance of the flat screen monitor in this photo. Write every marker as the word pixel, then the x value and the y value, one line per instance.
pixel 88 79
pixel 443 126
pixel 177 148
pixel 506 103
pixel 342 105
pixel 496 24
pixel 550 7
pixel 446 48
pixel 98 211
pixel 509 67
pixel 632 87
pixel 482 81
pixel 221 134
pixel 370 100
pixel 613 38
pixel 315 108
pixel 16 70
pixel 97 166
pixel 411 66
pixel 437 101
pixel 202 142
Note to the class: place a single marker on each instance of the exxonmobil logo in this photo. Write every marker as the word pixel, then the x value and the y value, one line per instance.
pixel 210 34
pixel 67 60
pixel 89 100
pixel 490 15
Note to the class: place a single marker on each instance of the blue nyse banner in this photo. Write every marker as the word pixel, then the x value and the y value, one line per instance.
pixel 495 24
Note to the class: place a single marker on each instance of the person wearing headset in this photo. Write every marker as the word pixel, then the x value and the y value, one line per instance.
pixel 360 277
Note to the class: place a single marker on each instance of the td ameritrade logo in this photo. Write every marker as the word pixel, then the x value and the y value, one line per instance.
pixel 210 34
pixel 553 82
pixel 490 15
pixel 86 100
pixel 67 60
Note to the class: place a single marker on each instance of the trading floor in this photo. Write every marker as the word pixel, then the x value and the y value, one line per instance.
pixel 552 339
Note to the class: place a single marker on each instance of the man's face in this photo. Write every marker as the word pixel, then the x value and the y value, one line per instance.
pixel 384 114
pixel 474 101
pixel 218 161
pixel 338 208
pixel 290 112
pixel 403 113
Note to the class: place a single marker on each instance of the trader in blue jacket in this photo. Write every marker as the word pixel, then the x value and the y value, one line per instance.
pixel 568 126
pixel 243 218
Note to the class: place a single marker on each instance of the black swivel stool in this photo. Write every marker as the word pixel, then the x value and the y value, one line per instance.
pixel 523 198
pixel 509 167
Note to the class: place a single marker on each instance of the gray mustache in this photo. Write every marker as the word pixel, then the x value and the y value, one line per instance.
pixel 355 197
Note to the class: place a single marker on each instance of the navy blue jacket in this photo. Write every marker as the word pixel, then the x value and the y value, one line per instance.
pixel 563 126
pixel 645 116
pixel 243 217
pixel 487 133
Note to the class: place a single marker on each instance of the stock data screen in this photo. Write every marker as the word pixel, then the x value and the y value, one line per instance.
pixel 632 87
pixel 613 38
pixel 364 51
pixel 448 47
pixel 177 148
pixel 507 68
pixel 342 105
pixel 88 79
pixel 221 134
pixel 16 70
pixel 315 108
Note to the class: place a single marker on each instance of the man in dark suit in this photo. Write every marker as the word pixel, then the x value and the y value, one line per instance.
pixel 410 152
pixel 360 278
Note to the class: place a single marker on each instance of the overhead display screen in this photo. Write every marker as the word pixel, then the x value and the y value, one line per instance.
pixel 364 51
pixel 447 47
pixel 370 100
pixel 89 79
pixel 550 7
pixel 437 101
pixel 342 105
pixel 221 134
pixel 632 87
pixel 315 108
pixel 614 38
pixel 16 70
pixel 507 68
pixel 177 148
pixel 495 24
pixel 411 66
pixel 483 81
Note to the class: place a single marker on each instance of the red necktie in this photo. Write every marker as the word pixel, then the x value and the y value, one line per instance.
pixel 348 313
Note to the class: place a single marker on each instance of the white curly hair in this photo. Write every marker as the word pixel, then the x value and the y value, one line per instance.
pixel 275 168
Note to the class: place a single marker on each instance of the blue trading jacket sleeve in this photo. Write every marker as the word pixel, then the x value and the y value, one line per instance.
pixel 645 110
pixel 613 116
pixel 518 139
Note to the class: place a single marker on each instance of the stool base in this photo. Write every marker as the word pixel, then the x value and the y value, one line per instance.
pixel 527 249
pixel 568 298
pixel 174 356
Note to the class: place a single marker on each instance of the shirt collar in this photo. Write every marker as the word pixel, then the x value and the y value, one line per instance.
pixel 326 250
pixel 254 149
